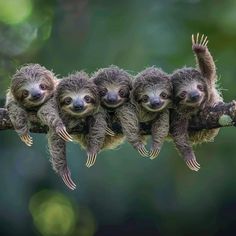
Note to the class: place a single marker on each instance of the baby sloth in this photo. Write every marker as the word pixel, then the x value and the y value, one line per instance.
pixel 77 100
pixel 32 87
pixel 114 85
pixel 151 95
pixel 193 89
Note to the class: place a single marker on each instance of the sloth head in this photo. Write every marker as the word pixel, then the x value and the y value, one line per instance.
pixel 152 90
pixel 190 89
pixel 114 86
pixel 77 95
pixel 32 85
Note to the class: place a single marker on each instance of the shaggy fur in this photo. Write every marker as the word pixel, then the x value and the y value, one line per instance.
pixel 200 86
pixel 114 85
pixel 32 86
pixel 77 101
pixel 151 95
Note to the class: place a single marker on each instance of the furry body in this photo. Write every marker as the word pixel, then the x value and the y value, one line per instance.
pixel 193 89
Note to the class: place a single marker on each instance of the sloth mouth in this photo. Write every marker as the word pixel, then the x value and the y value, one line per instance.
pixel 112 104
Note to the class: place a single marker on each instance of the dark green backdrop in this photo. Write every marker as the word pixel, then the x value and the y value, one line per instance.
pixel 123 194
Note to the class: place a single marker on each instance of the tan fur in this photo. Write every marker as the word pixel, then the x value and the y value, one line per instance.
pixel 193 90
pixel 114 85
pixel 153 83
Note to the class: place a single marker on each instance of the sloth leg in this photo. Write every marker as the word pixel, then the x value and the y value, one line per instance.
pixel 19 119
pixel 96 137
pixel 180 137
pixel 160 130
pixel 130 127
pixel 57 149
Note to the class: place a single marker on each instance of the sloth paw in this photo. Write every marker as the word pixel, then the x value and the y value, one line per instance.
pixel 91 158
pixel 110 132
pixel 66 177
pixel 27 139
pixel 154 153
pixel 61 131
pixel 199 44
pixel 142 150
pixel 193 165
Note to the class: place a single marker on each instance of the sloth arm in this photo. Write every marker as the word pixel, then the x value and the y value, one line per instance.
pixel 18 116
pixel 130 124
pixel 57 149
pixel 48 114
pixel 97 132
pixel 205 62
pixel 160 129
pixel 179 133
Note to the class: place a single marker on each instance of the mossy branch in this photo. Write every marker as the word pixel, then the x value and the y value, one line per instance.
pixel 221 115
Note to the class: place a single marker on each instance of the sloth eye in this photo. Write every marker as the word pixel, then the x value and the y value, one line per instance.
pixel 122 93
pixel 145 98
pixel 88 99
pixel 68 100
pixel 200 87
pixel 43 86
pixel 103 92
pixel 164 95
pixel 25 93
pixel 183 94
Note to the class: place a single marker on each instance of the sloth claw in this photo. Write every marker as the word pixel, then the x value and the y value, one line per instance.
pixel 154 153
pixel 91 159
pixel 64 134
pixel 66 177
pixel 193 165
pixel 199 45
pixel 27 139
pixel 110 132
pixel 143 151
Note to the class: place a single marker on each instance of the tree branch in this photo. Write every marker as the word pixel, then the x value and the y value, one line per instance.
pixel 221 115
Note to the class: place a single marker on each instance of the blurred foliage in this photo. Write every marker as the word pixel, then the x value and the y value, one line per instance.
pixel 123 194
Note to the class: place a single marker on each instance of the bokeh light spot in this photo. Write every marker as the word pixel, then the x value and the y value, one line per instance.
pixel 53 213
pixel 14 11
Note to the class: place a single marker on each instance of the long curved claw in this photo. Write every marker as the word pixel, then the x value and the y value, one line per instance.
pixel 91 159
pixel 64 134
pixel 27 139
pixel 154 153
pixel 202 42
pixel 193 165
pixel 143 151
pixel 110 132
pixel 66 177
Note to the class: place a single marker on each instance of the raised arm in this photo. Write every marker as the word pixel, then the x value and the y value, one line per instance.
pixel 204 59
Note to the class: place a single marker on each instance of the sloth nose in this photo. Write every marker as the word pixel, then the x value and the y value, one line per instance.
pixel 155 102
pixel 78 105
pixel 112 97
pixel 194 96
pixel 36 94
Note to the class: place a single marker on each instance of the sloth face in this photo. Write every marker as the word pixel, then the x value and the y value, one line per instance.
pixel 113 95
pixel 114 85
pixel 191 95
pixel 79 103
pixel 33 85
pixel 155 99
pixel 190 88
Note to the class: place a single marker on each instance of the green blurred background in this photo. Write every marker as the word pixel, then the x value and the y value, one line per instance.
pixel 123 194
